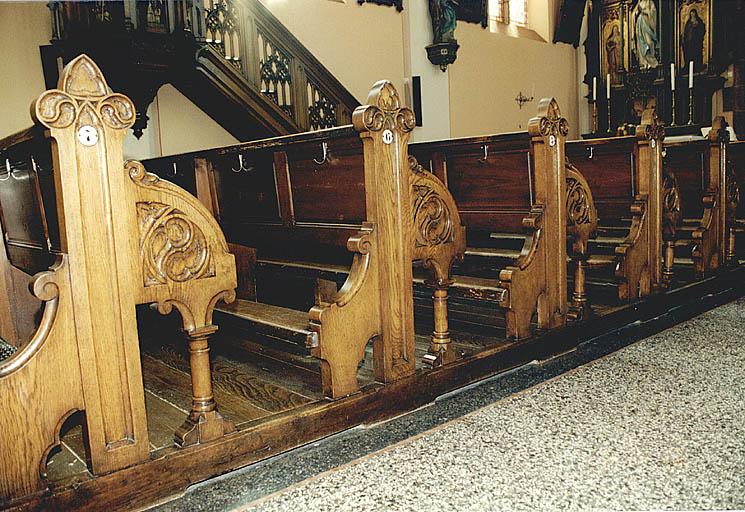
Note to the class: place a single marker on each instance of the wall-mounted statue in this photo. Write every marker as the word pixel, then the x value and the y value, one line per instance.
pixel 693 39
pixel 442 13
pixel 443 50
pixel 644 16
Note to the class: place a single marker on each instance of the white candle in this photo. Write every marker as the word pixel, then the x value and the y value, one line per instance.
pixel 690 74
pixel 594 88
pixel 672 76
pixel 607 86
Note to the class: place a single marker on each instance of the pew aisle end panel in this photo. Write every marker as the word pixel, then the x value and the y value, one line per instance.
pixel 125 238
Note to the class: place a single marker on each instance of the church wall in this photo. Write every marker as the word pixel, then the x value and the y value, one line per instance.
pixel 493 68
pixel 359 44
pixel 23 28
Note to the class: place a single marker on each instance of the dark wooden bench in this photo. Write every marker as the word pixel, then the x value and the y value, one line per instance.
pixel 629 189
pixel 293 207
pixel 510 191
pixel 701 172
pixel 28 223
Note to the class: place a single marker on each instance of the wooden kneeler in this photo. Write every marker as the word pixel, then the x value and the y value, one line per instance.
pixel 127 238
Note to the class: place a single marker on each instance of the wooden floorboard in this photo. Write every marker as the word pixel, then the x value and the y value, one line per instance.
pixel 174 386
pixel 230 378
pixel 163 418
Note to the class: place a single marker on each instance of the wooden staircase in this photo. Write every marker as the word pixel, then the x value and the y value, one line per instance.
pixel 232 58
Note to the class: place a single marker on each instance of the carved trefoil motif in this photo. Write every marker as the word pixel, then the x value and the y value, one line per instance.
pixel 173 248
pixel 579 209
pixel 432 219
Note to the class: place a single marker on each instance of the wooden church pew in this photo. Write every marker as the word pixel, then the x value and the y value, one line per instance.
pixel 124 238
pixel 27 247
pixel 701 172
pixel 510 191
pixel 629 189
pixel 290 206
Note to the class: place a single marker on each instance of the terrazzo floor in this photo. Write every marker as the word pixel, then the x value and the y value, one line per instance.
pixel 657 425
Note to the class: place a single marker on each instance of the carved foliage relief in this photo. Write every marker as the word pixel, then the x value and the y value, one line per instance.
pixel 173 248
pixel 433 222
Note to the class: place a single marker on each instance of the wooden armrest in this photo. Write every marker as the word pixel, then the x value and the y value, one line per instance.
pixel 276 321
pixel 489 252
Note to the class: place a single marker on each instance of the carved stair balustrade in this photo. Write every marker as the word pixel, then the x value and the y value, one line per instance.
pixel 127 238
pixel 249 63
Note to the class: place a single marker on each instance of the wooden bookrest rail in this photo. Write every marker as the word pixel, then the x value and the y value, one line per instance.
pixel 295 202
pixel 628 187
pixel 706 198
pixel 124 238
pixel 513 185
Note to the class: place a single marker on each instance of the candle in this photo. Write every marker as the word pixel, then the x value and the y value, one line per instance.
pixel 672 77
pixel 607 86
pixel 594 88
pixel 690 74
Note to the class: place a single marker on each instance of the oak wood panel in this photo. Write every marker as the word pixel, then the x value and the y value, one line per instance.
pixel 689 164
pixel 333 191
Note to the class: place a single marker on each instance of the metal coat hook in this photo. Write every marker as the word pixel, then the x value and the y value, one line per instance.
pixel 7 171
pixel 325 149
pixel 175 171
pixel 241 165
pixel 485 147
pixel 39 170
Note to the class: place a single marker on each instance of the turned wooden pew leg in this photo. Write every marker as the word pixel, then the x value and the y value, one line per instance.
pixel 579 308
pixel 668 262
pixel 731 253
pixel 440 351
pixel 204 422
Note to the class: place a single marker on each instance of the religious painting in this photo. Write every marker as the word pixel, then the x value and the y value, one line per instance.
pixel 644 29
pixel 472 11
pixel 613 54
pixel 693 33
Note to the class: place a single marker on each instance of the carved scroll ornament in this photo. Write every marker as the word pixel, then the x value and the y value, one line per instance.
pixel 549 123
pixel 671 216
pixel 385 113
pixel 173 248
pixel 433 222
pixel 84 97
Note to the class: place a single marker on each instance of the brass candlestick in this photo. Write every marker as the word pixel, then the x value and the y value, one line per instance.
pixel 594 104
pixel 609 117
pixel 690 106
pixel 672 121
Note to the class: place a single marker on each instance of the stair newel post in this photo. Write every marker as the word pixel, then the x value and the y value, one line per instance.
pixel 384 126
